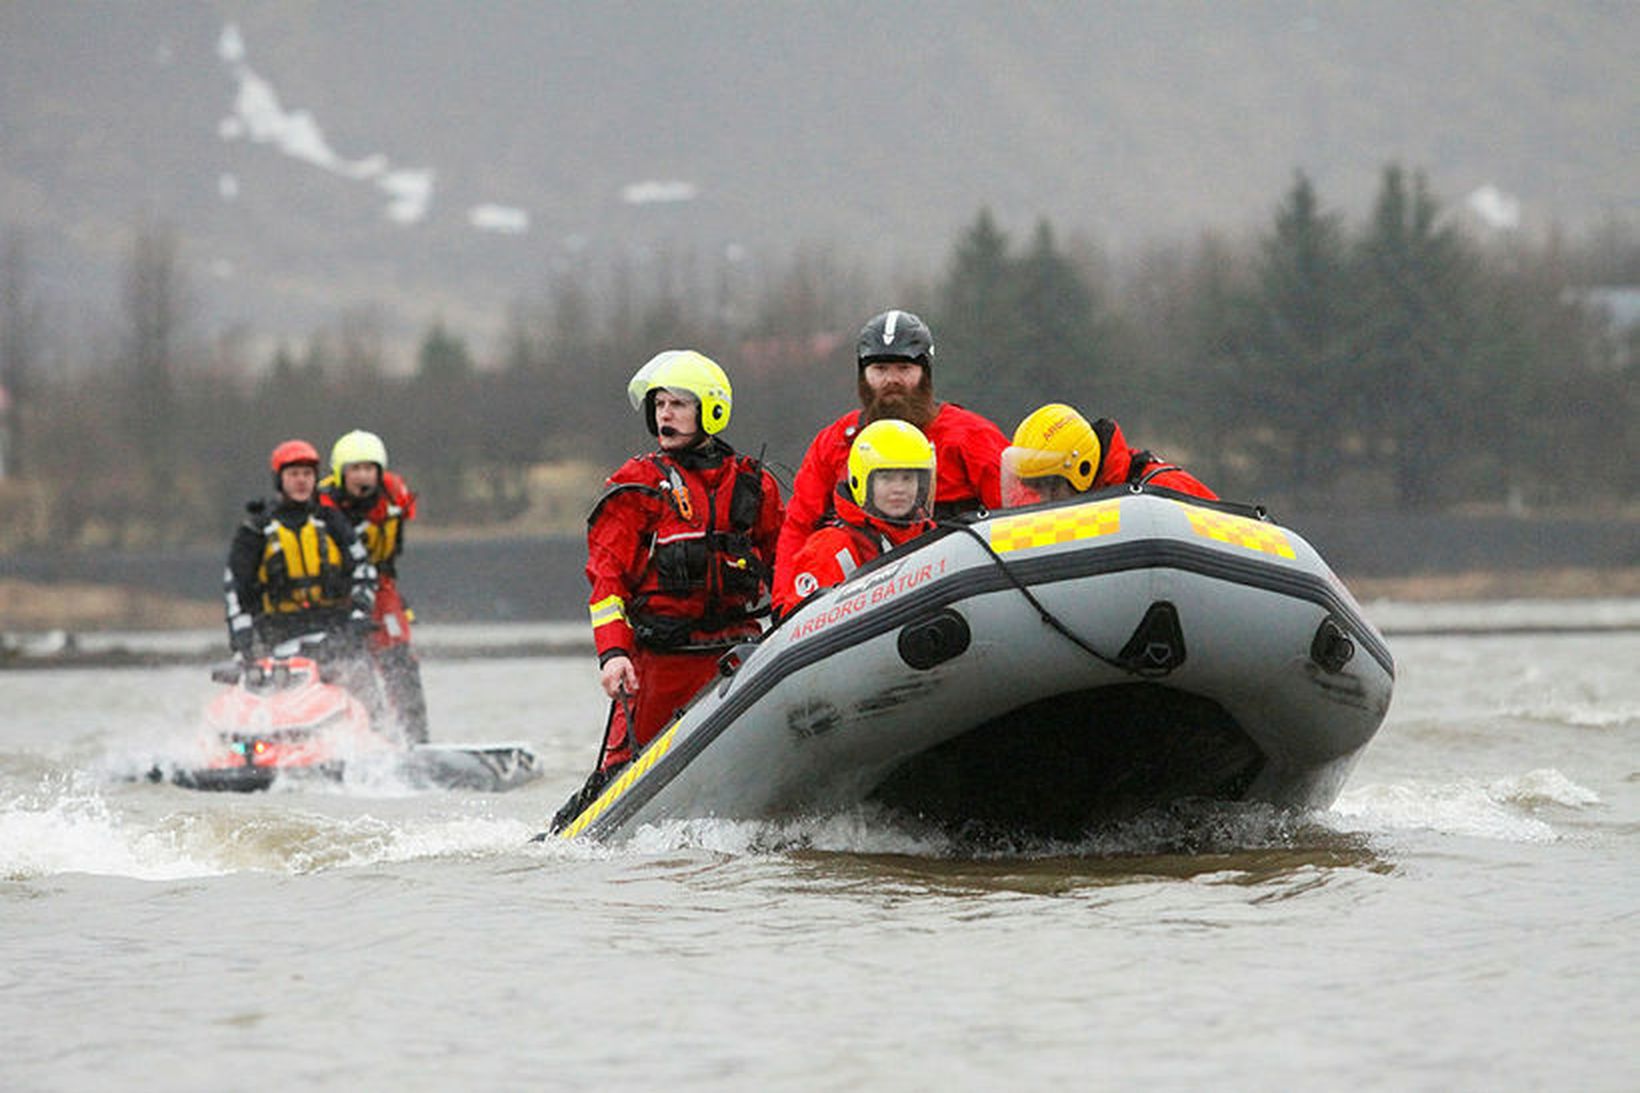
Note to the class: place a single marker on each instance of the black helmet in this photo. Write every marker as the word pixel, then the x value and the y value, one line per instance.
pixel 896 336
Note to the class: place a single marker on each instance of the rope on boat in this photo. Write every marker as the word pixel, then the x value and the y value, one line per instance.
pixel 1046 616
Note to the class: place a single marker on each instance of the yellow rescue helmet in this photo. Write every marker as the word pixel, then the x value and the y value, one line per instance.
pixel 687 372
pixel 890 445
pixel 357 447
pixel 1054 440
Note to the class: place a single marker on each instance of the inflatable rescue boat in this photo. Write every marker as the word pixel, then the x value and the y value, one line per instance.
pixel 1041 671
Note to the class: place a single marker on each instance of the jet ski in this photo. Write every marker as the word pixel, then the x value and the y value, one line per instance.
pixel 297 714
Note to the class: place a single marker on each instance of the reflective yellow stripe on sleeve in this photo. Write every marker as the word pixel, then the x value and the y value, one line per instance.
pixel 607 610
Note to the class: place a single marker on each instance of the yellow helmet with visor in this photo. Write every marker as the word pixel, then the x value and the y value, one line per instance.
pixel 891 472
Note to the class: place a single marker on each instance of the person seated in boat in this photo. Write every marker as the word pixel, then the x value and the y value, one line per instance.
pixel 886 500
pixel 679 553
pixel 379 502
pixel 895 357
pixel 296 566
pixel 1056 454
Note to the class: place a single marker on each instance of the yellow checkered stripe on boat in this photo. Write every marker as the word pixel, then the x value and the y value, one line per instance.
pixel 1238 531
pixel 1039 529
pixel 652 754
pixel 607 610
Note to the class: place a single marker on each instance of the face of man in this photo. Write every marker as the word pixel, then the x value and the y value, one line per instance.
pixel 297 480
pixel 897 389
pixel 677 419
pixel 361 479
pixel 883 376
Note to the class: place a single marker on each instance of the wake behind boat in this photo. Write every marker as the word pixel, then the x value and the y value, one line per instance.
pixel 1042 671
pixel 289 715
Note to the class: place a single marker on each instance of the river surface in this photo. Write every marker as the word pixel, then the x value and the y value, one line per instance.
pixel 1464 917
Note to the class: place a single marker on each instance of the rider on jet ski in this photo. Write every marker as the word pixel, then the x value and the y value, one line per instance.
pixel 378 502
pixel 296 566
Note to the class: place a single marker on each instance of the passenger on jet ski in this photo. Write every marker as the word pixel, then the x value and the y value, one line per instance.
pixel 296 566
pixel 1056 455
pixel 379 503
pixel 895 353
pixel 886 500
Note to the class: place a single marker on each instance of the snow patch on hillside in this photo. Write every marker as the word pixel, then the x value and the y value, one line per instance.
pixel 259 117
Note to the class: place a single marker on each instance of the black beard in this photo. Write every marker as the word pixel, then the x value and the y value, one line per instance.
pixel 915 405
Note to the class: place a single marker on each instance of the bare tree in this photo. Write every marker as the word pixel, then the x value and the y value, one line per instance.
pixel 156 305
pixel 21 321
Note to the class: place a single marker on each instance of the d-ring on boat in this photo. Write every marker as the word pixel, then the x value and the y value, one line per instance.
pixel 1040 670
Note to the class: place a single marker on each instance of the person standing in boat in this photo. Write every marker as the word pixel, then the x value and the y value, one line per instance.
pixel 895 356
pixel 378 502
pixel 1057 454
pixel 679 553
pixel 296 566
pixel 886 500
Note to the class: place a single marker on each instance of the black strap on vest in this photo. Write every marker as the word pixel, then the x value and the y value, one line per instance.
pixel 745 507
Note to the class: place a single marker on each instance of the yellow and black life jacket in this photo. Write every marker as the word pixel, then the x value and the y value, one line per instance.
pixel 302 567
pixel 381 539
pixel 380 525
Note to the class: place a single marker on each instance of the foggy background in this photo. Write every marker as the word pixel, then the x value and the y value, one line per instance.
pixel 872 130
pixel 1337 256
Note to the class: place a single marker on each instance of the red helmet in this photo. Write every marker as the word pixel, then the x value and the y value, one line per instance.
pixel 292 452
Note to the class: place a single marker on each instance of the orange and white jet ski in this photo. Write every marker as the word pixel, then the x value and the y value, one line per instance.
pixel 291 714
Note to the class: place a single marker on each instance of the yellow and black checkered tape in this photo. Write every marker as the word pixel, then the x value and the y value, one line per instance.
pixel 1039 529
pixel 1238 531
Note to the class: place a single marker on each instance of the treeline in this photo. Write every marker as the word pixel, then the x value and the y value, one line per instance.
pixel 1397 362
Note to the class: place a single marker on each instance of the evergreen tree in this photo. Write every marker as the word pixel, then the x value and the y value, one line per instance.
pixel 976 315
pixel 1055 345
pixel 443 430
pixel 1300 341
pixel 1416 286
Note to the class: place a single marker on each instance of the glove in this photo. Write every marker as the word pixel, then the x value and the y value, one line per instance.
pixel 242 642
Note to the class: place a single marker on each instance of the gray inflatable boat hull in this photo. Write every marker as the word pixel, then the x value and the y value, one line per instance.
pixel 1040 670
